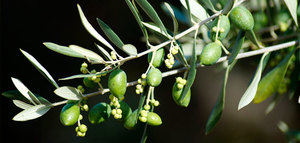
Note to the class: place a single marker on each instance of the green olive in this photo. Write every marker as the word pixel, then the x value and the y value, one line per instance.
pixel 282 19
pixel 176 93
pixel 99 113
pixel 224 26
pixel 126 110
pixel 210 53
pixel 242 18
pixel 131 121
pixel 261 20
pixel 70 113
pixel 154 77
pixel 117 83
pixel 158 58
pixel 89 83
pixel 153 119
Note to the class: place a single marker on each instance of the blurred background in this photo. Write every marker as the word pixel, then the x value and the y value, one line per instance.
pixel 27 24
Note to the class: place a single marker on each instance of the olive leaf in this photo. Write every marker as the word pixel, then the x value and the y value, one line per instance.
pixel 216 113
pixel 23 89
pixel 191 75
pixel 88 54
pixel 137 17
pixel 156 30
pixel 15 95
pixel 22 104
pixel 209 5
pixel 40 68
pixel 179 15
pixel 146 6
pixel 196 9
pixel 130 49
pixel 237 46
pixel 270 82
pixel 34 98
pixel 294 85
pixel 251 90
pixel 91 29
pixel 228 6
pixel 252 37
pixel 32 113
pixel 69 93
pixel 63 50
pixel 172 13
pixel 104 52
pixel 292 6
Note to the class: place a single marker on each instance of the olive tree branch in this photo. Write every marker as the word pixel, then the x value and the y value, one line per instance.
pixel 176 71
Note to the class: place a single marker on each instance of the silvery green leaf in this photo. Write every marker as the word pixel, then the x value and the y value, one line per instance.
pixel 196 9
pixel 292 6
pixel 34 98
pixel 68 92
pixel 104 52
pixel 172 13
pixel 299 100
pixel 22 88
pixel 62 50
pixel 156 29
pixel 40 68
pixel 89 55
pixel 130 49
pixel 91 29
pixel 251 91
pixel 21 104
pixel 180 16
pixel 32 113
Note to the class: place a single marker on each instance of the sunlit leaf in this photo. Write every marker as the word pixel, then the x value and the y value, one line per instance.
pixel 130 49
pixel 62 50
pixel 88 54
pixel 32 113
pixel 196 9
pixel 91 29
pixel 156 29
pixel 270 82
pixel 40 68
pixel 104 52
pixel 22 104
pixel 292 6
pixel 68 92
pixel 22 88
pixel 251 90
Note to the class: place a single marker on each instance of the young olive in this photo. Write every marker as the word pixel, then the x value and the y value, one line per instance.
pixel 131 121
pixel 176 93
pixel 210 53
pixel 70 113
pixel 158 58
pixel 224 27
pixel 126 110
pixel 153 119
pixel 242 18
pixel 99 113
pixel 117 83
pixel 154 77
pixel 89 83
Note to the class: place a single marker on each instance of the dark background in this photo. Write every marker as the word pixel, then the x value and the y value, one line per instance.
pixel 27 24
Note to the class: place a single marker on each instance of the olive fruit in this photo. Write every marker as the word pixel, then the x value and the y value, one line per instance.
pixel 176 93
pixel 210 53
pixel 261 20
pixel 153 119
pixel 126 110
pixel 158 58
pixel 224 28
pixel 282 19
pixel 131 121
pixel 70 113
pixel 242 18
pixel 154 77
pixel 117 83
pixel 99 113
pixel 89 83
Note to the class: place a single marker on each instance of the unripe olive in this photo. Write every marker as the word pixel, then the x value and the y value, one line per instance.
pixel 154 77
pixel 126 110
pixel 131 120
pixel 242 18
pixel 89 83
pixel 261 20
pixel 99 113
pixel 176 93
pixel 282 16
pixel 224 24
pixel 70 113
pixel 158 58
pixel 117 83
pixel 210 53
pixel 153 119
